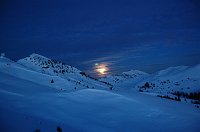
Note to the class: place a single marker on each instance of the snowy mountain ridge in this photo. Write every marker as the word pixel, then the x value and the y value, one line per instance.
pixel 42 70
pixel 35 98
pixel 43 64
pixel 132 75
pixel 171 70
pixel 181 78
pixel 184 80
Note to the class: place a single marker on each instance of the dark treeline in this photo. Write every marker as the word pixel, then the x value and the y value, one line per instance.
pixel 191 95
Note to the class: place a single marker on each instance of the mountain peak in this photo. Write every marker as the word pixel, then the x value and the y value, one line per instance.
pixel 37 55
pixel 45 65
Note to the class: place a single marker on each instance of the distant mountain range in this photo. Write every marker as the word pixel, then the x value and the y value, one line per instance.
pixel 39 69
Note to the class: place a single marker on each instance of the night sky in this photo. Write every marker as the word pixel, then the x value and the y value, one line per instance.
pixel 147 35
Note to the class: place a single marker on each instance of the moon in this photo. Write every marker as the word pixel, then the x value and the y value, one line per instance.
pixel 101 69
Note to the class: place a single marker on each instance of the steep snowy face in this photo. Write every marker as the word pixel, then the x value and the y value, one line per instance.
pixel 129 76
pixel 45 65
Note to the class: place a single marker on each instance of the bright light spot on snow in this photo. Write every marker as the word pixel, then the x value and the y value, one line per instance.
pixel 101 69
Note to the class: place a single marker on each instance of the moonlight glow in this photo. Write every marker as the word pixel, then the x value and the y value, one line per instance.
pixel 101 69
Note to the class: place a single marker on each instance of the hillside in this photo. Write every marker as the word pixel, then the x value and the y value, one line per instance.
pixel 30 100
pixel 45 65
pixel 175 83
pixel 125 80
pixel 27 106
pixel 180 83
pixel 42 70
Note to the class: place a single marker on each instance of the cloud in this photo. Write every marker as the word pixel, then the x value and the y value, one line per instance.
pixel 121 61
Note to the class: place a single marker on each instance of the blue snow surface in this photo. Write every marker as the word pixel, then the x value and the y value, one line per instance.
pixel 29 103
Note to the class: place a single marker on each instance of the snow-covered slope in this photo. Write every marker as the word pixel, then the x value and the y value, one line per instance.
pixel 42 70
pixel 27 106
pixel 125 80
pixel 34 96
pixel 176 83
pixel 180 83
pixel 45 65
pixel 171 71
pixel 182 78
pixel 125 76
